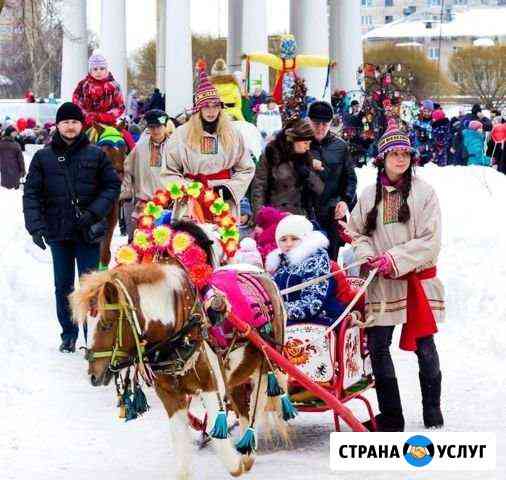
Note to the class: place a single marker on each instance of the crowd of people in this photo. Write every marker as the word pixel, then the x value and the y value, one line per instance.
pixel 292 205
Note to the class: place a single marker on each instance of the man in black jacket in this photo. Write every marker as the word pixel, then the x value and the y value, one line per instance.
pixel 337 172
pixel 50 215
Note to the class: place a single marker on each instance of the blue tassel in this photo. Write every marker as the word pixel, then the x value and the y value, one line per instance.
pixel 140 401
pixel 273 388
pixel 220 428
pixel 130 412
pixel 248 443
pixel 289 411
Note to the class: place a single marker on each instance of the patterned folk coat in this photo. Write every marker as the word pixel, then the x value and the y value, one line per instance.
pixel 413 246
pixel 181 163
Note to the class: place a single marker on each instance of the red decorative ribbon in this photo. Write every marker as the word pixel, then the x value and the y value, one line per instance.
pixel 204 179
pixel 420 319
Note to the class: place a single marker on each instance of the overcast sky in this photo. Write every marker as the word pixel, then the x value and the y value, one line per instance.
pixel 208 16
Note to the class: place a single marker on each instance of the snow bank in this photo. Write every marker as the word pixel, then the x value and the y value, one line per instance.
pixel 54 424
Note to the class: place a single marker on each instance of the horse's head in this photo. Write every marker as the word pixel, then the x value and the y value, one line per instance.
pixel 109 303
pixel 117 155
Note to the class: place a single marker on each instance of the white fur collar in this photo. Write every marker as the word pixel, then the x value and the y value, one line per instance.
pixel 309 245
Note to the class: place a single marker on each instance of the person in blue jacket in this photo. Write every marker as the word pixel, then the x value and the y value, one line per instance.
pixel 301 256
pixel 474 144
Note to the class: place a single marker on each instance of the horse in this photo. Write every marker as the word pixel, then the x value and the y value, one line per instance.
pixel 172 324
pixel 117 153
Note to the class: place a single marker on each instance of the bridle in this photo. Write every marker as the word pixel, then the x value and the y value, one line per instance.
pixel 128 312
pixel 121 358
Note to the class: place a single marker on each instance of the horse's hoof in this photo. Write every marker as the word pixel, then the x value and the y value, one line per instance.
pixel 248 461
pixel 240 470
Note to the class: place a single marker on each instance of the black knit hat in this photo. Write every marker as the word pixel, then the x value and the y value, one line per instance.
pixel 321 111
pixel 69 111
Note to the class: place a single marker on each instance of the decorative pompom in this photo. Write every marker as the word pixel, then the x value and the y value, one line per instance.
pixel 165 219
pixel 273 388
pixel 146 221
pixel 142 240
pixel 193 255
pixel 220 428
pixel 162 236
pixel 247 444
pixel 126 255
pixel 181 242
pixel 194 189
pixel 230 247
pixel 153 210
pixel 161 198
pixel 139 400
pixel 209 197
pixel 289 411
pixel 200 274
pixel 175 190
pixel 227 221
pixel 219 207
pixel 231 233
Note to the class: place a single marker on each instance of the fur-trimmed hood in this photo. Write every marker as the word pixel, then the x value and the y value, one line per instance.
pixel 310 244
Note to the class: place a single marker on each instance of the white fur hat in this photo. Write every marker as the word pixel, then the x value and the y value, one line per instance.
pixel 296 225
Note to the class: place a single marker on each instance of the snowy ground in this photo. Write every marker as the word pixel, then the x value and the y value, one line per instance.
pixel 54 425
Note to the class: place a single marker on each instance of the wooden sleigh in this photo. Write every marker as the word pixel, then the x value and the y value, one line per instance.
pixel 348 370
pixel 338 362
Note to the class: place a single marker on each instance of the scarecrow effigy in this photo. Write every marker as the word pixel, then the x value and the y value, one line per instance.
pixel 286 65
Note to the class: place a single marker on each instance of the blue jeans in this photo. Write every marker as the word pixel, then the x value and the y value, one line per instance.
pixel 65 256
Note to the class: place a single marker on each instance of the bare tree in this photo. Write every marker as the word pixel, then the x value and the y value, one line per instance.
pixel 41 27
pixel 481 72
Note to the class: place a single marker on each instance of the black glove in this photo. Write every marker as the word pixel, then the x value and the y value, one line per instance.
pixel 38 239
pixel 87 219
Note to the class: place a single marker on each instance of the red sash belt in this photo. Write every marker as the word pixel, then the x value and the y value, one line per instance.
pixel 204 179
pixel 420 319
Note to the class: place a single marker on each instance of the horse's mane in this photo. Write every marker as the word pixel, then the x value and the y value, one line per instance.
pixel 93 284
pixel 198 233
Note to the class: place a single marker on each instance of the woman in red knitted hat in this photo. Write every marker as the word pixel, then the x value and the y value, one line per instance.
pixel 207 148
pixel 396 227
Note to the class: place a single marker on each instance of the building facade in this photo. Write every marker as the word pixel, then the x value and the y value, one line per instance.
pixel 461 27
pixel 376 13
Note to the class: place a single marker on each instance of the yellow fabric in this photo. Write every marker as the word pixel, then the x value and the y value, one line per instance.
pixel 230 93
pixel 312 61
pixel 268 59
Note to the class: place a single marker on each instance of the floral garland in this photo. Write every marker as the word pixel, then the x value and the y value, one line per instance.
pixel 155 236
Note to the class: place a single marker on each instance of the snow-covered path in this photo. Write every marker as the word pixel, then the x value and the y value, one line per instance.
pixel 54 424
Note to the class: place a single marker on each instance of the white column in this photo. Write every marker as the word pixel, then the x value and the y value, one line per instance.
pixel 234 40
pixel 346 42
pixel 113 39
pixel 255 38
pixel 75 46
pixel 178 57
pixel 160 43
pixel 309 24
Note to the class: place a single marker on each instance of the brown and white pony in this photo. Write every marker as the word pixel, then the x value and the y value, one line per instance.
pixel 164 299
pixel 117 155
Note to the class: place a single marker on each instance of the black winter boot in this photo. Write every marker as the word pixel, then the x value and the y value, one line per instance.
pixel 431 401
pixel 389 401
